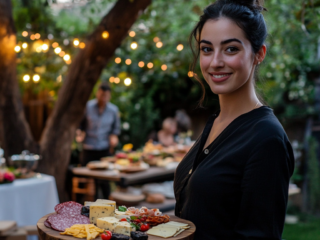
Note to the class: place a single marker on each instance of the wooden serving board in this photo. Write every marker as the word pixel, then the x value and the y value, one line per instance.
pixel 50 234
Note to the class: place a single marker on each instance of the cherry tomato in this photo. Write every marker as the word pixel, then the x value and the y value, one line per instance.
pixel 143 219
pixel 144 227
pixel 137 221
pixel 123 220
pixel 106 235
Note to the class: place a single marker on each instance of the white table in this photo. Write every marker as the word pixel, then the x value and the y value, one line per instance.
pixel 27 200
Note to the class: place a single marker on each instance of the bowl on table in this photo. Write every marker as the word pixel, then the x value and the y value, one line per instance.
pixel 26 161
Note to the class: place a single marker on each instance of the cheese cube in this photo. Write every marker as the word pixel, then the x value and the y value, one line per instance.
pixel 123 228
pixel 98 210
pixel 107 223
pixel 106 201
pixel 88 203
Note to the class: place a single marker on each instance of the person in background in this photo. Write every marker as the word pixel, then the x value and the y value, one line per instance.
pixel 99 130
pixel 183 133
pixel 183 121
pixel 166 135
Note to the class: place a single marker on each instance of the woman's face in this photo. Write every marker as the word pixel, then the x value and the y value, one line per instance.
pixel 226 57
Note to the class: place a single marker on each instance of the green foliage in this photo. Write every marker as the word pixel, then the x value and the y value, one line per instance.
pixel 314 176
pixel 287 73
pixel 306 229
pixel 292 61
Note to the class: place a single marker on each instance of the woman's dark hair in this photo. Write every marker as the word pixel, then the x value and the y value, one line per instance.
pixel 245 13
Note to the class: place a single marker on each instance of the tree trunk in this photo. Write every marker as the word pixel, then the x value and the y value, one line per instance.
pixel 82 75
pixel 15 134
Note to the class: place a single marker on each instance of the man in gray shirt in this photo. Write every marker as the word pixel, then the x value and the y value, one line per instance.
pixel 101 128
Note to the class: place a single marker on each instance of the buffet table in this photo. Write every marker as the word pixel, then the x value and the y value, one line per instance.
pixel 27 200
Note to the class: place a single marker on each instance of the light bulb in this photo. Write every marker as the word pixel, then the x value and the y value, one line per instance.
pixel 36 78
pixel 134 45
pixel 127 81
pixel 180 47
pixel 26 78
pixel 105 34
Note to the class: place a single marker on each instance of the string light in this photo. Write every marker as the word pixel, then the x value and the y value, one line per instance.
pixel 164 67
pixel 105 34
pixel 36 78
pixel 26 78
pixel 141 64
pixel 57 50
pixel 150 65
pixel 134 45
pixel 159 44
pixel 62 53
pixel 32 37
pixel 111 79
pixel 132 33
pixel 24 33
pixel 127 81
pixel 156 39
pixel 69 62
pixel 117 60
pixel 82 45
pixel 66 57
pixel 37 36
pixel 190 74
pixel 128 61
pixel 116 80
pixel 45 47
pixel 55 44
pixel 76 42
pixel 24 45
pixel 180 47
pixel 17 48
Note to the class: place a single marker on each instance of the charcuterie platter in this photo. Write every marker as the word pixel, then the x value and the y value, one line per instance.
pixel 102 220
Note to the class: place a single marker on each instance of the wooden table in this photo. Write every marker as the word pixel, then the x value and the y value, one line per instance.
pixel 50 234
pixel 153 174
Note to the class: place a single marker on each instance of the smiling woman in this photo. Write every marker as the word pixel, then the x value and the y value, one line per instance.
pixel 233 183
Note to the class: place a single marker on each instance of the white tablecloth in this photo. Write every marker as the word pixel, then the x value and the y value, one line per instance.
pixel 27 200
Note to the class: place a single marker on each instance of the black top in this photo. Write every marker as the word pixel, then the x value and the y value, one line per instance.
pixel 237 188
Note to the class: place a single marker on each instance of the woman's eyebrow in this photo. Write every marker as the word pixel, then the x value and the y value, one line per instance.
pixel 205 41
pixel 223 42
pixel 231 40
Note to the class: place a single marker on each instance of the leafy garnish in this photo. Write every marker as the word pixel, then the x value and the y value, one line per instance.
pixel 136 226
pixel 122 209
pixel 133 218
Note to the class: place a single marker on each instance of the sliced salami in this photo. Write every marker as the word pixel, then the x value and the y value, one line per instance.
pixel 60 222
pixel 70 208
pixel 47 224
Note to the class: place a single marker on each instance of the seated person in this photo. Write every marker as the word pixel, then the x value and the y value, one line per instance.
pixel 166 135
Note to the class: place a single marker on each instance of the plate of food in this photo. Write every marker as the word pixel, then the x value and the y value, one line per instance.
pixel 103 220
pixel 97 165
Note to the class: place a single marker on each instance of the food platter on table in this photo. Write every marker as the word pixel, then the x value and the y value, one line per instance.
pixel 152 155
pixel 102 220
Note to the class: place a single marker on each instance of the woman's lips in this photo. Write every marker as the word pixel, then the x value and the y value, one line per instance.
pixel 219 77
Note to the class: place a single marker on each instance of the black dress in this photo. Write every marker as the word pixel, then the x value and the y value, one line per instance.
pixel 237 188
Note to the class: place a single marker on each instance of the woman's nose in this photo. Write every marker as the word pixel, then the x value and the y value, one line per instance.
pixel 217 60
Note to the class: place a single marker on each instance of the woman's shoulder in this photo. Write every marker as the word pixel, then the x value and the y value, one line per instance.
pixel 267 125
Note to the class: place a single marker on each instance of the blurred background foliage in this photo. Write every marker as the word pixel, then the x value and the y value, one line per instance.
pixel 286 79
